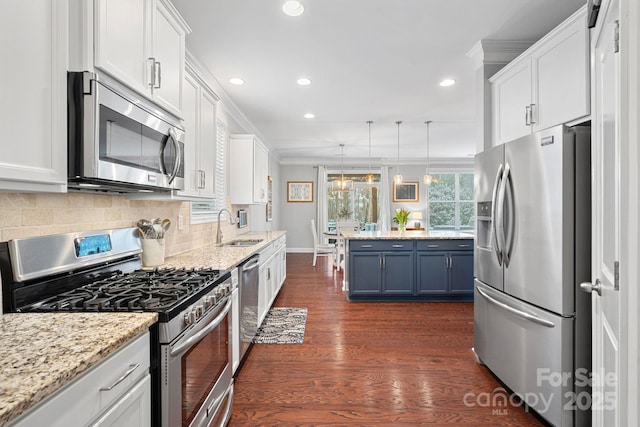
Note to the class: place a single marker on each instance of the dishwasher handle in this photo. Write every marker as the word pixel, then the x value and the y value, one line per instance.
pixel 251 264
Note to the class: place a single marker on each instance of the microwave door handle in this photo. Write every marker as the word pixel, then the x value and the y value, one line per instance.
pixel 187 344
pixel 176 145
pixel 494 215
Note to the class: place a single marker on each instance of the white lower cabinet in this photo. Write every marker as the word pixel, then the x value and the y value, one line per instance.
pixel 116 392
pixel 235 322
pixel 273 271
pixel 132 410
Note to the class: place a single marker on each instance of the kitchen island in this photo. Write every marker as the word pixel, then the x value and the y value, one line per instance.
pixel 408 266
pixel 43 352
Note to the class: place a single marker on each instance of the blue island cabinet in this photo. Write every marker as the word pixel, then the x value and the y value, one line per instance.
pixel 445 269
pixel 381 268
pixel 405 270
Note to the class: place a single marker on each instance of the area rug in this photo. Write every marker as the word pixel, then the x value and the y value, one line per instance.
pixel 282 325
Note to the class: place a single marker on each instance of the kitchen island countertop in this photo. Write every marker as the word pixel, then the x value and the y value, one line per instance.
pixel 221 257
pixel 407 235
pixel 41 352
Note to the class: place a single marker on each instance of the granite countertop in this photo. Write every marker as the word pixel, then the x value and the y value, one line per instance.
pixel 407 235
pixel 41 352
pixel 220 257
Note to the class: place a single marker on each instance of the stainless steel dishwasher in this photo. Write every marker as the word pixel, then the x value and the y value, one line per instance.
pixel 248 273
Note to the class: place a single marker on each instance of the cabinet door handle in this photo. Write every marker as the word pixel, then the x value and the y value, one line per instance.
pixel 159 75
pixel 152 83
pixel 433 246
pixel 527 115
pixel 122 378
pixel 203 178
pixel 464 246
pixel 380 261
pixel 531 121
pixel 366 246
pixel 397 246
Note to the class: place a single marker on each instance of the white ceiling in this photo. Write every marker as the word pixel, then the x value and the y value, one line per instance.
pixel 378 60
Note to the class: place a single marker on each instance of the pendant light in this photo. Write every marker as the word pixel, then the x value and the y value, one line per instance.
pixel 342 185
pixel 398 178
pixel 427 179
pixel 369 178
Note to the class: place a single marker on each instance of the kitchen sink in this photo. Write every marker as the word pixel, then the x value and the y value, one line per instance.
pixel 241 243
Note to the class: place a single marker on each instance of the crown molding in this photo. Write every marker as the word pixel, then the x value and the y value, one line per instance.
pixel 497 51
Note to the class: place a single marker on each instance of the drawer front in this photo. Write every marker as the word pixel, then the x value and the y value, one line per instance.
pixel 445 245
pixel 94 391
pixel 381 245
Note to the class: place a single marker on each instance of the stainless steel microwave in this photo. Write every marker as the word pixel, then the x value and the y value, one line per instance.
pixel 119 142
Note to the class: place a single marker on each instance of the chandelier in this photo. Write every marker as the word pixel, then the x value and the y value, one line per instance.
pixel 369 178
pixel 398 178
pixel 342 184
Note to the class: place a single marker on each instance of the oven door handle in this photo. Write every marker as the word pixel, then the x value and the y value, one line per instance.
pixel 176 351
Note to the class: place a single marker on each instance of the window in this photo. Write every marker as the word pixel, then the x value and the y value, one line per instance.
pixel 361 204
pixel 451 202
pixel 207 211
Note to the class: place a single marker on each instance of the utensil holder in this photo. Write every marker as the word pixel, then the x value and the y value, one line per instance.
pixel 152 252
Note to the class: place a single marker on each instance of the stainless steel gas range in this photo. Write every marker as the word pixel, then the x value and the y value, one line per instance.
pixel 192 381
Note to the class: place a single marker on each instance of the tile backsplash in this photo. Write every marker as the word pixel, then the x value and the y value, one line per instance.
pixel 38 214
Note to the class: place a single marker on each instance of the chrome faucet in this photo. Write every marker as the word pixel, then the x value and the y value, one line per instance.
pixel 231 221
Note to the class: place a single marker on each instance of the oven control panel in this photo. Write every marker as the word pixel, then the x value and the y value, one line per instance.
pixel 197 311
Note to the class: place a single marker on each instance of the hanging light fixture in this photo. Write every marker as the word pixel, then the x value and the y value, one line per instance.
pixel 427 179
pixel 369 178
pixel 342 184
pixel 398 178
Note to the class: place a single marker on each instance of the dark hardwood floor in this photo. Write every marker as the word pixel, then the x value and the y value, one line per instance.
pixel 369 364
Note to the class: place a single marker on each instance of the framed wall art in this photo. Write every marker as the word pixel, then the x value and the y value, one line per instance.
pixel 299 191
pixel 406 192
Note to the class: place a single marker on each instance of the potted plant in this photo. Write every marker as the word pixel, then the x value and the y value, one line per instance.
pixel 401 218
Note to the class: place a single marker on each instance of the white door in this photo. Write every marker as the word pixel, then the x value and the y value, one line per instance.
pixel 606 218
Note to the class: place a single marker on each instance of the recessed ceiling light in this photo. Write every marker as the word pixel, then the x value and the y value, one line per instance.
pixel 303 81
pixel 309 116
pixel 447 82
pixel 292 8
pixel 236 81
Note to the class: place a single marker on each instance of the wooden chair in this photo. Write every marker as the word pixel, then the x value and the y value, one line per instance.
pixel 321 249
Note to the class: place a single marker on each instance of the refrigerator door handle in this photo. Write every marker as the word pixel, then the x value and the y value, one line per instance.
pixel 516 312
pixel 494 215
pixel 508 245
pixel 499 228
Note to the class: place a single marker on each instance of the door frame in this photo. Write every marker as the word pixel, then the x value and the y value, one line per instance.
pixel 630 211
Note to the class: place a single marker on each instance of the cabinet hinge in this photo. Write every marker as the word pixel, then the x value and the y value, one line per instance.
pixel 616 276
pixel 616 37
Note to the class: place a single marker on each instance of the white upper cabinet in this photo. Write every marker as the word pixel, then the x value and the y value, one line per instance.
pixel 545 86
pixel 511 96
pixel 249 172
pixel 121 41
pixel 142 44
pixel 200 138
pixel 33 79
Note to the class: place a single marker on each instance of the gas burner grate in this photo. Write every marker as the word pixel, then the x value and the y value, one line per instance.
pixel 141 290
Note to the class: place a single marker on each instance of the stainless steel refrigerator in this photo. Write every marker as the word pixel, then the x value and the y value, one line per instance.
pixel 532 324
